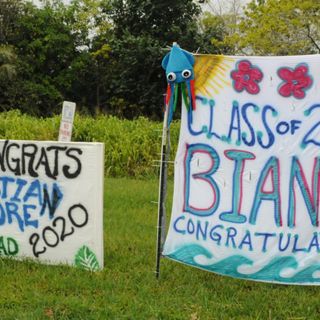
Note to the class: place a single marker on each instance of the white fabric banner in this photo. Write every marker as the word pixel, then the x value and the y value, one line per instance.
pixel 247 170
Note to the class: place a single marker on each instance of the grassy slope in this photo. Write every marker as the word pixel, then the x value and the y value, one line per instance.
pixel 127 288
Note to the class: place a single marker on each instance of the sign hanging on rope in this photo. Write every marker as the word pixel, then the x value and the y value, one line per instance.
pixel 247 169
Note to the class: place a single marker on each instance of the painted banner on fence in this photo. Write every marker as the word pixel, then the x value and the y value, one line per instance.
pixel 247 170
pixel 51 202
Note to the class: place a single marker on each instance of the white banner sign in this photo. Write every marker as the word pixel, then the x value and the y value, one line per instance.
pixel 247 170
pixel 51 202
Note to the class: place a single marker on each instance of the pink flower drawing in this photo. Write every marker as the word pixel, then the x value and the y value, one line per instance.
pixel 246 77
pixel 295 81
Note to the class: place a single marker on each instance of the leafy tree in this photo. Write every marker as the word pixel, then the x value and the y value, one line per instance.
pixel 142 30
pixel 56 59
pixel 46 48
pixel 215 30
pixel 274 27
pixel 103 54
pixel 8 61
pixel 90 20
pixel 167 21
pixel 9 14
pixel 8 71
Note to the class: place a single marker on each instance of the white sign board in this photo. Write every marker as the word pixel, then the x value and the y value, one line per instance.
pixel 68 111
pixel 51 202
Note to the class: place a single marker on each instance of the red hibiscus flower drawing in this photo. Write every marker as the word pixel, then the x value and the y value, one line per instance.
pixel 246 77
pixel 295 81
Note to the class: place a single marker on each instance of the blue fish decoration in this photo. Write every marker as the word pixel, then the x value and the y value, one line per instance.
pixel 178 65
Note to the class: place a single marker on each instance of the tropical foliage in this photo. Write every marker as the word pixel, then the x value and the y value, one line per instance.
pixel 275 27
pixel 105 54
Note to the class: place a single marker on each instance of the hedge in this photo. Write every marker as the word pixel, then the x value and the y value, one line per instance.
pixel 132 147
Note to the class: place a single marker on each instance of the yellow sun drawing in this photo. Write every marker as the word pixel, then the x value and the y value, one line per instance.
pixel 212 73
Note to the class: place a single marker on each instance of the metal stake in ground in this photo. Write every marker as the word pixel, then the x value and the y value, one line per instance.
pixel 162 190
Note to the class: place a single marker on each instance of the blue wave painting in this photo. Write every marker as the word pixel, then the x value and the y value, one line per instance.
pixel 229 266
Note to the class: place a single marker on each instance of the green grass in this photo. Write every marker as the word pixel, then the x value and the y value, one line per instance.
pixel 127 288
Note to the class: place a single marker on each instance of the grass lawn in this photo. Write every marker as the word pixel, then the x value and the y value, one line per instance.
pixel 127 288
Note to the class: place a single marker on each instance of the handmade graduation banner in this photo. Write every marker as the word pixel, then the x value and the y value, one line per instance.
pixel 247 169
pixel 51 202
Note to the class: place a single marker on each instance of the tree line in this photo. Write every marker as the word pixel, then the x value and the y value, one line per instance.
pixel 106 54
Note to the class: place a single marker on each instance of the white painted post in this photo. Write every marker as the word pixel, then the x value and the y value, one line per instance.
pixel 66 124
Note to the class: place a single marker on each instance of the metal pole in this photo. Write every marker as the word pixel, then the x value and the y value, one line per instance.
pixel 162 190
